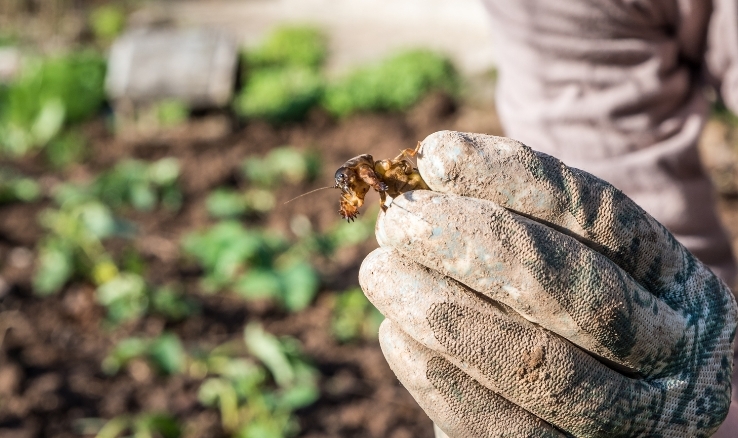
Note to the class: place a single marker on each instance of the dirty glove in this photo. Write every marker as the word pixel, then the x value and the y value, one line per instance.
pixel 527 298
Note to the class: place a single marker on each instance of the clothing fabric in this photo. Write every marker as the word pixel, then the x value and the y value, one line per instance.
pixel 616 88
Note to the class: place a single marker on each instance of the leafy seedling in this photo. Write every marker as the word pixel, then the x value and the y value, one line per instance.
pixel 146 425
pixel 73 243
pixel 354 317
pixel 282 165
pixel 251 404
pixel 279 94
pixel 165 352
pixel 107 22
pixel 391 85
pixel 50 94
pixel 141 185
pixel 15 187
pixel 252 263
pixel 230 203
pixel 303 46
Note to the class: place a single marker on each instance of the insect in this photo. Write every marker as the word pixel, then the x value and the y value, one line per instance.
pixel 388 177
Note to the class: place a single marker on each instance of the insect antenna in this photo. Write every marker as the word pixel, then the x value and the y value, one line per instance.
pixel 311 191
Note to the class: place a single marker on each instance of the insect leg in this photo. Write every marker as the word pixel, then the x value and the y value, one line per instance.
pixel 383 200
pixel 367 174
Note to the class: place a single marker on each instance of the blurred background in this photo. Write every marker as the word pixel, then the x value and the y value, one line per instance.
pixel 152 281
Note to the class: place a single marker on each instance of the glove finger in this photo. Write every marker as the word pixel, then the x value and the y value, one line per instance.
pixel 548 277
pixel 522 362
pixel 459 405
pixel 541 187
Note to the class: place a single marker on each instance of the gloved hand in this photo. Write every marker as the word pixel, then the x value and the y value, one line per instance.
pixel 527 298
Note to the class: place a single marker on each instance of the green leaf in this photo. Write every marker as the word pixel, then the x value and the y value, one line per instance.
pixel 159 425
pixel 354 316
pixel 68 148
pixel 54 267
pixel 290 45
pixel 107 22
pixel 124 297
pixel 279 94
pixel 267 348
pixel 168 354
pixel 124 352
pixel 97 219
pixel 392 85
pixel 164 171
pixel 172 305
pixel 300 284
pixel 258 283
pixel 300 395
pixel 226 203
pixel 171 112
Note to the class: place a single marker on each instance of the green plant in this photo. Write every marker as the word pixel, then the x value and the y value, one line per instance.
pixel 282 165
pixel 73 243
pixel 140 184
pixel 171 112
pixel 15 187
pixel 230 203
pixel 170 303
pixel 392 85
pixel 165 352
pixel 107 22
pixel 251 405
pixel 354 317
pixel 67 148
pixel 48 95
pixel 146 425
pixel 279 94
pixel 253 263
pixel 290 45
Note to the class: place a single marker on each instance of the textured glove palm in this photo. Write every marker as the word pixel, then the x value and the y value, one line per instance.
pixel 527 298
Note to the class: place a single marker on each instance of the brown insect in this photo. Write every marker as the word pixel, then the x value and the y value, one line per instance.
pixel 388 177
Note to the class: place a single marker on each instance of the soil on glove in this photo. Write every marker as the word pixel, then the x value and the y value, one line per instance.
pixel 51 348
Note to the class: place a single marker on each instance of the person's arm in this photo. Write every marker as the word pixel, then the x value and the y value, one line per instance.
pixel 616 88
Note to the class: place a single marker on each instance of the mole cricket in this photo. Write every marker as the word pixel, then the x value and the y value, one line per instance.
pixel 388 177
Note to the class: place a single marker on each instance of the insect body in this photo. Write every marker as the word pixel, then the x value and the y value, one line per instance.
pixel 388 177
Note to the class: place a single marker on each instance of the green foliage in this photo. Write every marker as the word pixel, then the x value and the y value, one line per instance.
pixel 145 425
pixel 354 317
pixel 230 203
pixel 290 45
pixel 125 297
pixel 172 304
pixel 279 94
pixel 282 165
pixel 69 147
pixel 165 352
pixel 107 22
pixel 392 85
pixel 15 187
pixel 171 112
pixel 253 263
pixel 49 94
pixel 141 185
pixel 250 404
pixel 73 243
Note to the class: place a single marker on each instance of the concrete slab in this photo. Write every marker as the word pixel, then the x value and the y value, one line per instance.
pixel 359 30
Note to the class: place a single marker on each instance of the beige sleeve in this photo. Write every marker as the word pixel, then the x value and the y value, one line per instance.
pixel 614 88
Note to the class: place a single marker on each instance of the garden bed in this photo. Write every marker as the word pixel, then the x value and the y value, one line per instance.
pixel 51 379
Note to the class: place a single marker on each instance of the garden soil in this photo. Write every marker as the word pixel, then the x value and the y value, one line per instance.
pixel 51 348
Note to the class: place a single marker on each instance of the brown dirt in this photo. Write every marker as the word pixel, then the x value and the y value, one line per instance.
pixel 51 348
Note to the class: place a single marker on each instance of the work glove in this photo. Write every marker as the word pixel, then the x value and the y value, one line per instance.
pixel 525 298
